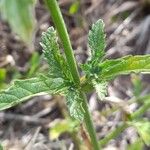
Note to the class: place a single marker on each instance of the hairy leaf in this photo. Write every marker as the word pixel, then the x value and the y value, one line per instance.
pixel 20 15
pixel 126 65
pixel 74 103
pixel 57 64
pixel 90 71
pixel 22 90
pixel 96 40
pixel 101 89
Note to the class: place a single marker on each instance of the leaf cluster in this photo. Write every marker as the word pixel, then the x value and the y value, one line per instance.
pixel 98 72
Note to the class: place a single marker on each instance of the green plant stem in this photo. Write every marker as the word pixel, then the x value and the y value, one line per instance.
pixel 89 124
pixel 123 126
pixel 113 134
pixel 141 111
pixel 63 34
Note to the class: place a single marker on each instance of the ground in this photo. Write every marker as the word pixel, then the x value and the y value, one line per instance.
pixel 127 25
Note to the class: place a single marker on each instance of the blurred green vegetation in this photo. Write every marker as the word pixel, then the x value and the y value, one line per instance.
pixel 20 16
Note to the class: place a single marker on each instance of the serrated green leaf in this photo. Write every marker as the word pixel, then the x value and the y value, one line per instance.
pixel 20 16
pixel 85 67
pixel 57 64
pixel 96 40
pixel 143 128
pixel 101 89
pixel 22 90
pixel 90 71
pixel 74 104
pixel 125 65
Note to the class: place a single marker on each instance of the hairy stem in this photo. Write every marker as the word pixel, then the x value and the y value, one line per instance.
pixel 63 34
